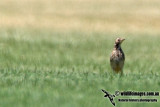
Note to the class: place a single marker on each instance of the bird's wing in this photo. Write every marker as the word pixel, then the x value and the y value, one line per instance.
pixel 104 91
pixel 124 56
pixel 113 102
pixel 111 99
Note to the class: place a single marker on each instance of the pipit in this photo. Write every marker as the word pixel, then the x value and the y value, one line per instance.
pixel 117 57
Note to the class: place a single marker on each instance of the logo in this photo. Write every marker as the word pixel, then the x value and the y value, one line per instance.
pixel 142 96
pixel 109 96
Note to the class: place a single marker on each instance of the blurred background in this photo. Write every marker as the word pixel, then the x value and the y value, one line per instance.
pixel 56 52
pixel 82 15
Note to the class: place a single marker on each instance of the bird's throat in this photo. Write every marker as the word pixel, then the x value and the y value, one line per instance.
pixel 117 46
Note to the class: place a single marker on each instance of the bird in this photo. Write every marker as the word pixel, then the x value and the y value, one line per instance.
pixel 109 96
pixel 117 57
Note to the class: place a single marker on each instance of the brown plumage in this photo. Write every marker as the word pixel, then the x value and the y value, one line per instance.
pixel 117 57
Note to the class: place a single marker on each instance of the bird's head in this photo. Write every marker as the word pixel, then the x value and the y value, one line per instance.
pixel 119 41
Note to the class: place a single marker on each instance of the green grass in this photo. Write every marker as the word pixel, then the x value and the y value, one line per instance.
pixel 55 53
pixel 68 69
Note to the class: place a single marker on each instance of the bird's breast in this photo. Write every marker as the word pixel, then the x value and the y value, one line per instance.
pixel 117 60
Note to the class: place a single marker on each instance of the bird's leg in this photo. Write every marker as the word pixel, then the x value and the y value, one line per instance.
pixel 121 72
pixel 114 73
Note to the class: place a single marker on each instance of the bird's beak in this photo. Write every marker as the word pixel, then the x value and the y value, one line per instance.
pixel 122 40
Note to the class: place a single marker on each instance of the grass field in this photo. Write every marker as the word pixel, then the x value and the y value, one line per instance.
pixel 56 53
